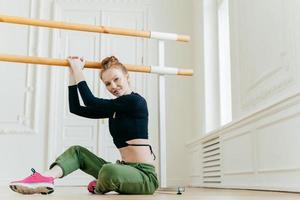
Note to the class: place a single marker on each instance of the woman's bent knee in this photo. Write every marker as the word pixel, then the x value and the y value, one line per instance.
pixel 108 171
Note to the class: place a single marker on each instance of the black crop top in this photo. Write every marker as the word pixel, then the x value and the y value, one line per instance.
pixel 128 114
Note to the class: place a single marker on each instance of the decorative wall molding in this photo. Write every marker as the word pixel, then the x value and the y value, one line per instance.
pixel 26 122
pixel 16 131
pixel 267 87
pixel 270 79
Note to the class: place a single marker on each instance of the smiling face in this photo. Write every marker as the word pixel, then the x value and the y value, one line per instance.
pixel 116 81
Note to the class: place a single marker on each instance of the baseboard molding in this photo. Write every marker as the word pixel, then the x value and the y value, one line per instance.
pixel 257 188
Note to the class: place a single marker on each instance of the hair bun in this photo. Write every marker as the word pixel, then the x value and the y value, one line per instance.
pixel 109 61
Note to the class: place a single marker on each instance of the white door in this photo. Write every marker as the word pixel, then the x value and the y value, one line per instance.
pixel 66 129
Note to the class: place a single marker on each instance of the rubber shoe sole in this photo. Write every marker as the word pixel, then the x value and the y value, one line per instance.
pixel 27 190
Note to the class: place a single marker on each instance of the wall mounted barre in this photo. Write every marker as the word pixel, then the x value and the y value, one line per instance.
pixel 91 28
pixel 95 65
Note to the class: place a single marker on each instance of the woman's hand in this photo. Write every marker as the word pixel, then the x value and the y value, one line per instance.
pixel 76 63
pixel 76 67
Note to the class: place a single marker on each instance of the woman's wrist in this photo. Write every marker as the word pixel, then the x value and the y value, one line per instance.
pixel 72 80
pixel 79 76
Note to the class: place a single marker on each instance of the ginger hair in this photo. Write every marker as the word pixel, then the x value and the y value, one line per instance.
pixel 112 62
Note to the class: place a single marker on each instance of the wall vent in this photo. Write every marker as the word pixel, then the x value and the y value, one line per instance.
pixel 211 161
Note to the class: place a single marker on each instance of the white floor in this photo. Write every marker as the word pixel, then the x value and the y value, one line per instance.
pixel 80 193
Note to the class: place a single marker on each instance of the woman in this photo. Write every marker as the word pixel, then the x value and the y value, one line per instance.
pixel 128 125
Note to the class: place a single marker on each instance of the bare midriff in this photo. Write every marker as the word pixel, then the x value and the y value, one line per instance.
pixel 137 154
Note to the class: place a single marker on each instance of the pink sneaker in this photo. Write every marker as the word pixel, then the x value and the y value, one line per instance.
pixel 91 187
pixel 36 183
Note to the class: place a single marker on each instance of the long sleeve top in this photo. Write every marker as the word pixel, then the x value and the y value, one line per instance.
pixel 128 114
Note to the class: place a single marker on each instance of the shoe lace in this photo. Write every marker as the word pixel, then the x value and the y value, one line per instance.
pixel 33 171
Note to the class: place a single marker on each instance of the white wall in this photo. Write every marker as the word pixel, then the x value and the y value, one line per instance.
pixel 23 98
pixel 25 150
pixel 198 64
pixel 265 53
pixel 178 91
pixel 259 149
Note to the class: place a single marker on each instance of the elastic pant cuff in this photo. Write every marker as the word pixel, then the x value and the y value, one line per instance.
pixel 61 166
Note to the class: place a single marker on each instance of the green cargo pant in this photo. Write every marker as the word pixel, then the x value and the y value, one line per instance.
pixel 121 177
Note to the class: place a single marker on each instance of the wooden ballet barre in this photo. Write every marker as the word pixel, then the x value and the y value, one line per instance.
pixel 92 28
pixel 95 65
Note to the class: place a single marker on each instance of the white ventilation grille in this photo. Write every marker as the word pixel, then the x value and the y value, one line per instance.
pixel 211 161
